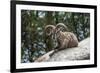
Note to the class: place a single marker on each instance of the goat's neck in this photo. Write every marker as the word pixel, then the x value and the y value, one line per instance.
pixel 59 34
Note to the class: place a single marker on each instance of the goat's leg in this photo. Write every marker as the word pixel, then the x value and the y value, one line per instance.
pixel 62 46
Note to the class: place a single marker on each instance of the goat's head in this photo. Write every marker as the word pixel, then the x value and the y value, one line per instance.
pixel 60 27
pixel 49 30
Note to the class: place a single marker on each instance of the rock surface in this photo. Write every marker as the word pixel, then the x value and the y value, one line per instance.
pixel 82 52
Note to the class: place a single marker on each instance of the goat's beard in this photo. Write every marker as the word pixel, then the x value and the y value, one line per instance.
pixel 55 43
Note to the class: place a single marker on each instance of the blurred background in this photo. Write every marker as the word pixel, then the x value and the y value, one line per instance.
pixel 32 30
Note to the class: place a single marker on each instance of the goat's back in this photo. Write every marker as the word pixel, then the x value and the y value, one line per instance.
pixel 72 39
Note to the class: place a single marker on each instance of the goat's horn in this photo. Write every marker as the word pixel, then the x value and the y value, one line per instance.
pixel 61 25
pixel 48 29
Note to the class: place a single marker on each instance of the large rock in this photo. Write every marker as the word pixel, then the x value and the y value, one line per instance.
pixel 82 52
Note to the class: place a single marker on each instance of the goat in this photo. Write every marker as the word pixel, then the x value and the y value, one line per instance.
pixel 64 39
pixel 60 38
pixel 49 37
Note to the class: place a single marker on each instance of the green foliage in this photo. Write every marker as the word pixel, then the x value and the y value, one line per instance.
pixel 33 22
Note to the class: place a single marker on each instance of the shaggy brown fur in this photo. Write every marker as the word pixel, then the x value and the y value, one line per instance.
pixel 62 39
pixel 65 39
